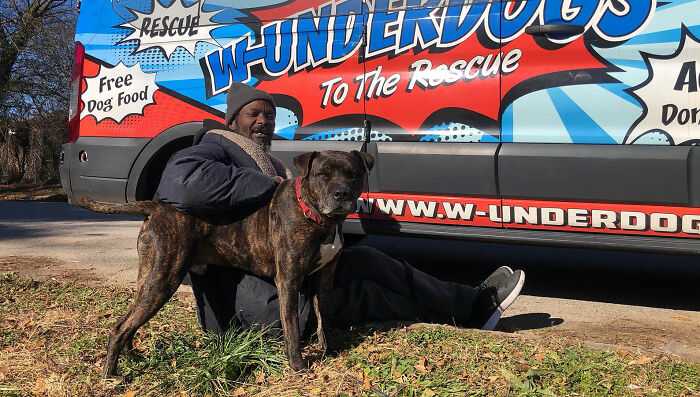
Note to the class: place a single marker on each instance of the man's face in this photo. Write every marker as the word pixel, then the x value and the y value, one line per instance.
pixel 256 121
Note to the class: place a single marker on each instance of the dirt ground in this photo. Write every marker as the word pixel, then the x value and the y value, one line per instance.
pixel 43 192
pixel 45 240
pixel 598 325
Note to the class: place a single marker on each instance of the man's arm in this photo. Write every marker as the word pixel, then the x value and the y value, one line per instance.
pixel 200 179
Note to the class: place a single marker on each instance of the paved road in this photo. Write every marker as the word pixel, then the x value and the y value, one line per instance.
pixel 628 300
pixel 80 238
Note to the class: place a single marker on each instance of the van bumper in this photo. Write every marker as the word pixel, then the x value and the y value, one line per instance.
pixel 64 170
pixel 98 168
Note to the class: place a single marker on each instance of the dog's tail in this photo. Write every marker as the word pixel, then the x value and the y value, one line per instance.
pixel 135 208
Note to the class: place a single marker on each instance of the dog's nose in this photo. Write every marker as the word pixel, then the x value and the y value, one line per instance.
pixel 341 194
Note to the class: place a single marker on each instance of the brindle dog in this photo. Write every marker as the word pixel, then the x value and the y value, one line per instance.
pixel 279 241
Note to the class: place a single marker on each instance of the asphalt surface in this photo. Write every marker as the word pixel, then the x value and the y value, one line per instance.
pixel 624 300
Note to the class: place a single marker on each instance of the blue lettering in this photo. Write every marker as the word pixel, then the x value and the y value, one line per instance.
pixel 273 63
pixel 326 10
pixel 418 19
pixel 310 35
pixel 618 27
pixel 248 55
pixel 493 20
pixel 357 7
pixel 453 30
pixel 307 40
pixel 342 47
pixel 554 11
pixel 379 41
pixel 511 25
pixel 221 67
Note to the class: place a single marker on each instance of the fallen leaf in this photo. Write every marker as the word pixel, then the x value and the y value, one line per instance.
pixel 130 393
pixel 138 345
pixel 422 365
pixel 632 386
pixel 522 365
pixel 427 393
pixel 366 382
pixel 316 391
pixel 538 357
pixel 239 392
pixel 641 360
pixel 681 318
pixel 39 387
pixel 260 377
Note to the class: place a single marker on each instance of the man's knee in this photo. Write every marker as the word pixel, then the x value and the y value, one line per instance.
pixel 360 253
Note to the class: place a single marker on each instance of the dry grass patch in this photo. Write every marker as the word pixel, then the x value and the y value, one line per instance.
pixel 53 336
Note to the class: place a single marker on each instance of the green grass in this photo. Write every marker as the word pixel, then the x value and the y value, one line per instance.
pixel 205 364
pixel 53 336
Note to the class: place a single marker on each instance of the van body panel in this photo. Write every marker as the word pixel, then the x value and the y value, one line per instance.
pixel 610 173
pixel 99 167
pixel 694 177
pixel 465 169
pixel 476 118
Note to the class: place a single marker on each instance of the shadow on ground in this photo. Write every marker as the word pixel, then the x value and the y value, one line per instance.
pixel 38 211
pixel 652 280
pixel 29 219
pixel 528 321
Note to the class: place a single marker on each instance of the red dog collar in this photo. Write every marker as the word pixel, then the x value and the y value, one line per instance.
pixel 308 211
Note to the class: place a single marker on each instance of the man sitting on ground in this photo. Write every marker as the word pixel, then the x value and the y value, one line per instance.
pixel 217 176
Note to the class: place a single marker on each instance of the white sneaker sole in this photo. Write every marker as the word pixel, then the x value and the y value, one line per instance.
pixel 491 323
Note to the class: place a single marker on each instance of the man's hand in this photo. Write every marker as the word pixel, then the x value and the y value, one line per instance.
pixel 278 179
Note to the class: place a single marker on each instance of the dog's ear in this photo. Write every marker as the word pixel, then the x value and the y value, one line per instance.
pixel 303 162
pixel 366 158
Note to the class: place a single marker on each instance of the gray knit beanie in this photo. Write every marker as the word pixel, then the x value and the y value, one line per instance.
pixel 240 95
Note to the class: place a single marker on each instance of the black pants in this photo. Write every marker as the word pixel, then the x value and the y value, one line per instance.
pixel 369 286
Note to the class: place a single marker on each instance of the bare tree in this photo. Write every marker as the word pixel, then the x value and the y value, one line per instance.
pixel 20 22
pixel 36 43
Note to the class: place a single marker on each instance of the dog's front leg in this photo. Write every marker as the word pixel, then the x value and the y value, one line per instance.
pixel 288 291
pixel 323 284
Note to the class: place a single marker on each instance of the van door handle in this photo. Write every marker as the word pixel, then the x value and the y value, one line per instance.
pixel 555 28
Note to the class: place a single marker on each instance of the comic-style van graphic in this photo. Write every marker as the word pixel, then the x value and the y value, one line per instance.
pixel 546 121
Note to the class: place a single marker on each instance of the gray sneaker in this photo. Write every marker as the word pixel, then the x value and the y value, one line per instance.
pixel 496 278
pixel 496 294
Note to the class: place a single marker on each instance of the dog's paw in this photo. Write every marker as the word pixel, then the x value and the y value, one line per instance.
pixel 298 365
pixel 111 375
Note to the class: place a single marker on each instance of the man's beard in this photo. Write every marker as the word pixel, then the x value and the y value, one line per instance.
pixel 264 146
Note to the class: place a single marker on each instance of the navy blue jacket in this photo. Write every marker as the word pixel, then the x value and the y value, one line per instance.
pixel 215 177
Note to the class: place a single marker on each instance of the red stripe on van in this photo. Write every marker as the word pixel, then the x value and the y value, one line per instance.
pixel 609 218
